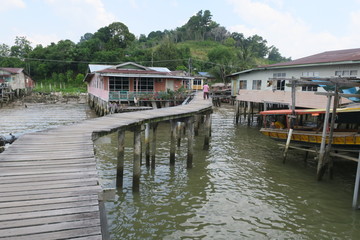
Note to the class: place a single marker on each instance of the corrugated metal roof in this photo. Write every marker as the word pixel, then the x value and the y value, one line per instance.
pixel 98 67
pixel 324 57
pixel 12 70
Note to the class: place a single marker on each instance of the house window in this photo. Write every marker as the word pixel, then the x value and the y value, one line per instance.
pixel 197 82
pixel 346 73
pixel 144 84
pixel 279 75
pixel 118 84
pixel 280 85
pixel 353 72
pixel 311 88
pixel 256 85
pixel 243 84
pixel 310 74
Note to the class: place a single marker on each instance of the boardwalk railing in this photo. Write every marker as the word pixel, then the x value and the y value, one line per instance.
pixel 49 183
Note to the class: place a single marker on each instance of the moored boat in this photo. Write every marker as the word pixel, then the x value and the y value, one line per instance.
pixel 308 126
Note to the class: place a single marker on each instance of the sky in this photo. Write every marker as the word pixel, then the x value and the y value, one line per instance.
pixel 298 28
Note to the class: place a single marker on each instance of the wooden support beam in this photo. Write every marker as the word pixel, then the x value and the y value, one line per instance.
pixel 207 131
pixel 178 134
pixel 190 135
pixel 136 163
pixel 356 188
pixel 320 165
pixel 120 159
pixel 237 112
pixel 153 145
pixel 147 144
pixel 173 125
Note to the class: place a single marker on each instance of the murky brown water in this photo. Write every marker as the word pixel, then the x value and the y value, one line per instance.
pixel 34 117
pixel 238 189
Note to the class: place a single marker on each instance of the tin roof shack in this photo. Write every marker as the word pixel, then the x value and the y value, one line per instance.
pixel 17 79
pixel 269 84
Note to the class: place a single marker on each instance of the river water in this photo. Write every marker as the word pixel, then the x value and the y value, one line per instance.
pixel 21 118
pixel 238 189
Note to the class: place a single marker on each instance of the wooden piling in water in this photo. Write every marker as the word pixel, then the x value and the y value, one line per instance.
pixel 178 134
pixel 137 159
pixel 190 135
pixel 147 144
pixel 153 145
pixel 173 125
pixel 207 131
pixel 120 159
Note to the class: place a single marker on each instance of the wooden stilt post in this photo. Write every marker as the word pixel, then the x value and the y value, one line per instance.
pixel 292 119
pixel 137 165
pixel 237 112
pixel 190 135
pixel 356 188
pixel 327 158
pixel 153 145
pixel 178 135
pixel 147 144
pixel 320 166
pixel 173 125
pixel 249 113
pixel 207 131
pixel 120 159
pixel 197 125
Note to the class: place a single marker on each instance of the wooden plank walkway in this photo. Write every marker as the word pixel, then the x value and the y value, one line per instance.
pixel 48 180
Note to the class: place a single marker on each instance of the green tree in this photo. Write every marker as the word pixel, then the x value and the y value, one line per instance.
pixel 21 48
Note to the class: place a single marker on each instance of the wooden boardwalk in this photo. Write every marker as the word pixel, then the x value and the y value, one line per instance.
pixel 48 180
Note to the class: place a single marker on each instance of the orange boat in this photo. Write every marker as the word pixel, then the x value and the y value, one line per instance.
pixel 308 126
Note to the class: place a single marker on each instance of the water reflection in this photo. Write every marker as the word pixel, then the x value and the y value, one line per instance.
pixel 238 189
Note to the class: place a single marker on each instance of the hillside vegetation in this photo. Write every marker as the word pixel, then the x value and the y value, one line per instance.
pixel 199 45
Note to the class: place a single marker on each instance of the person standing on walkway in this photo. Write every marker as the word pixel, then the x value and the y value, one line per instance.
pixel 206 91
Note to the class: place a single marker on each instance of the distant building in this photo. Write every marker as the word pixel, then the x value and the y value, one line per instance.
pixel 125 82
pixel 268 84
pixel 16 78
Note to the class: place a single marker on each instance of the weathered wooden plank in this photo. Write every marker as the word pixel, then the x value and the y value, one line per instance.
pixel 48 220
pixel 47 213
pixel 47 177
pixel 52 206
pixel 54 163
pixel 48 191
pixel 52 195
pixel 49 184
pixel 54 231
pixel 12 204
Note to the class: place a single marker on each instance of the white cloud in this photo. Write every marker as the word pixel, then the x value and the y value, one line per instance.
pixel 291 35
pixel 10 4
pixel 83 12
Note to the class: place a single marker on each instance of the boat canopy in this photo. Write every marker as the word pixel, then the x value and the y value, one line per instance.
pixel 307 111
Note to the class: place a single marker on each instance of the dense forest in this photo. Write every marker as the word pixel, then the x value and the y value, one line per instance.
pixel 199 45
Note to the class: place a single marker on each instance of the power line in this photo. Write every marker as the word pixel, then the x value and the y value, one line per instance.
pixel 91 62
